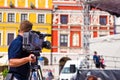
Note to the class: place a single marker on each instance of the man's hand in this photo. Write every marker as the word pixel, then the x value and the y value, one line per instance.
pixel 19 62
pixel 32 58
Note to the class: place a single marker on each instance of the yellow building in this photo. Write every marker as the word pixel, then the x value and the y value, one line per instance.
pixel 12 12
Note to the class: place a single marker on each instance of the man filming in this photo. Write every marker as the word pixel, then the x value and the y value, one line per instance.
pixel 19 59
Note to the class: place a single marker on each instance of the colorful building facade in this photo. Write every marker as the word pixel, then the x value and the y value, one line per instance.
pixel 66 24
pixel 69 25
pixel 12 12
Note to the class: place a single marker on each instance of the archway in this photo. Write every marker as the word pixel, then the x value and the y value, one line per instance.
pixel 62 62
pixel 45 60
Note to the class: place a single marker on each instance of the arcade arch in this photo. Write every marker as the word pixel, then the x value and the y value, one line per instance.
pixel 62 62
pixel 45 60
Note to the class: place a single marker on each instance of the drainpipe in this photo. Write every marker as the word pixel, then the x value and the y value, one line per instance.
pixel 114 24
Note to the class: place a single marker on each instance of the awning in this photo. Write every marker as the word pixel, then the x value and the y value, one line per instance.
pixel 41 59
pixel 111 6
pixel 4 60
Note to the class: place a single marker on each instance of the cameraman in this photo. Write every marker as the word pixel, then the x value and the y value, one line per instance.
pixel 19 59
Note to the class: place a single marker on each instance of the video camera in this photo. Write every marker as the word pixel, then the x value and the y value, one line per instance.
pixel 34 41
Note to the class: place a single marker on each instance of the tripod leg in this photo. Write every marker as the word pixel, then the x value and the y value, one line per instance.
pixel 41 73
pixel 30 77
pixel 38 75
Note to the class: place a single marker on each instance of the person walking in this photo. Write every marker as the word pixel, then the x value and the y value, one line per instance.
pixel 50 75
pixel 96 59
pixel 102 64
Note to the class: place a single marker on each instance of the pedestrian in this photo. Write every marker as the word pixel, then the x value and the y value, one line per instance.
pixel 46 74
pixel 91 77
pixel 50 75
pixel 19 59
pixel 102 64
pixel 96 59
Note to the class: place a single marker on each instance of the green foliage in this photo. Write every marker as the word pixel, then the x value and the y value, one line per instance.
pixel 5 71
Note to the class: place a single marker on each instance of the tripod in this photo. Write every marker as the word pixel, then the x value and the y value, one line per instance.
pixel 35 71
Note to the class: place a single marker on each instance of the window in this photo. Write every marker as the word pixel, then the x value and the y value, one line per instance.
pixel 63 39
pixel 10 37
pixel 64 19
pixel 24 17
pixel 0 17
pixel 0 38
pixel 41 18
pixel 103 20
pixel 86 41
pixel 75 39
pixel 103 33
pixel 11 17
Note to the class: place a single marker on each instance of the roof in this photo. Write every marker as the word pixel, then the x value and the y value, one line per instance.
pixel 106 45
pixel 111 6
pixel 108 38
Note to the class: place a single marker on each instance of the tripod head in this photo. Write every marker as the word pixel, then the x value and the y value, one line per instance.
pixel 35 67
pixel 36 55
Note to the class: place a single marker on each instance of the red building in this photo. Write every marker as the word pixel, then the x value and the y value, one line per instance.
pixel 68 28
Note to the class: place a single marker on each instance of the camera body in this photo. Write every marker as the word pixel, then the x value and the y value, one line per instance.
pixel 34 41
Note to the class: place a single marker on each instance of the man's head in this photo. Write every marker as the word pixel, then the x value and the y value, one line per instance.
pixel 95 52
pixel 25 26
pixel 91 77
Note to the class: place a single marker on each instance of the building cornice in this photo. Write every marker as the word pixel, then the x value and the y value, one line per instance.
pixel 65 4
pixel 20 8
pixel 7 9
